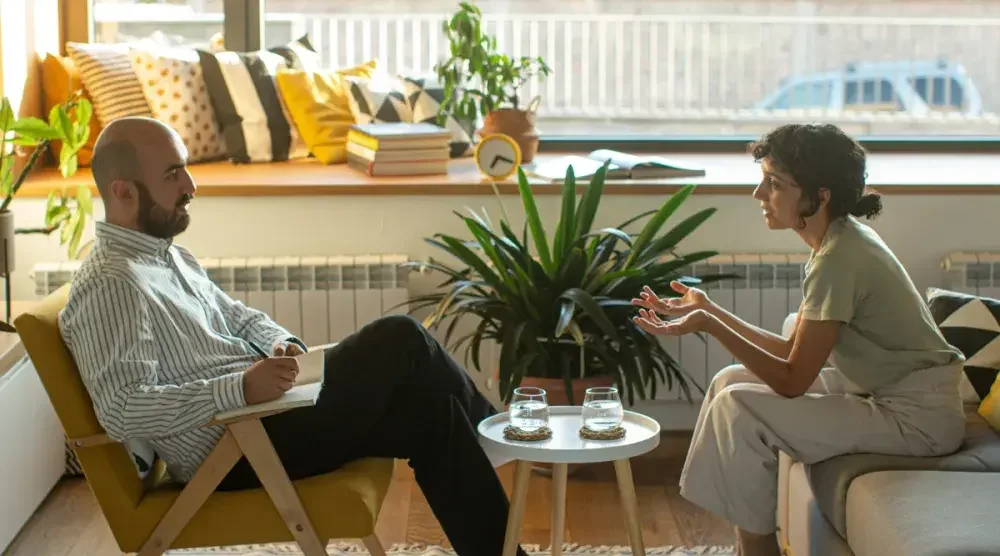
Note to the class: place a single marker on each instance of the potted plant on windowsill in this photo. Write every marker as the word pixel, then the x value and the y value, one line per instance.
pixel 482 83
pixel 561 308
pixel 22 142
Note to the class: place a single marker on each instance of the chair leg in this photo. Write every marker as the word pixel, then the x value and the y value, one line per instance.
pixel 257 447
pixel 215 467
pixel 373 545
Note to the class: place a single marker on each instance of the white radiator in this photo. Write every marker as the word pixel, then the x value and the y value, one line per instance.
pixel 319 299
pixel 973 273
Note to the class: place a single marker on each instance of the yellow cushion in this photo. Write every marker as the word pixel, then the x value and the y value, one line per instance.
pixel 60 80
pixel 343 504
pixel 319 106
pixel 989 408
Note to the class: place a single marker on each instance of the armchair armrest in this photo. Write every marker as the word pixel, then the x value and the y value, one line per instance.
pixel 300 396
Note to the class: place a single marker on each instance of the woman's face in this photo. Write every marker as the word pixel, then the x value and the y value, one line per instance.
pixel 779 196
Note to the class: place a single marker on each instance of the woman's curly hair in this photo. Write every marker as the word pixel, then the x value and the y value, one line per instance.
pixel 821 156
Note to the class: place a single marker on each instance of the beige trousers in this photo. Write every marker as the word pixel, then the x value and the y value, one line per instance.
pixel 732 463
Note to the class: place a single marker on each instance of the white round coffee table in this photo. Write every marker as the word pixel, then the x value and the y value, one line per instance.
pixel 642 434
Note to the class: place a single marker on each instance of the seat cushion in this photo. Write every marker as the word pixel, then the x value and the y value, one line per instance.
pixel 343 504
pixel 830 479
pixel 923 513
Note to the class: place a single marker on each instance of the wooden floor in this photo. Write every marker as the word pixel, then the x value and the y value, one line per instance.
pixel 69 522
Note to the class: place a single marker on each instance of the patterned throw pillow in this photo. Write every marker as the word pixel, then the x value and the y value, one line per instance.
pixel 378 99
pixel 424 96
pixel 250 111
pixel 972 324
pixel 300 54
pixel 110 80
pixel 173 83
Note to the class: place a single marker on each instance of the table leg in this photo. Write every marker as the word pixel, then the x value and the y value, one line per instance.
pixel 626 488
pixel 519 499
pixel 559 473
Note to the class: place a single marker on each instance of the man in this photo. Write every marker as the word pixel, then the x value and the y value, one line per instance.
pixel 161 350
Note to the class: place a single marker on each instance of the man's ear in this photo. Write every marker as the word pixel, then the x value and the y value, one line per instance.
pixel 123 191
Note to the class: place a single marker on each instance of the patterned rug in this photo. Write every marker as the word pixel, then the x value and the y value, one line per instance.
pixel 345 549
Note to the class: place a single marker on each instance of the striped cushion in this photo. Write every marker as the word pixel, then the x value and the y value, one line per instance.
pixel 248 106
pixel 300 54
pixel 109 79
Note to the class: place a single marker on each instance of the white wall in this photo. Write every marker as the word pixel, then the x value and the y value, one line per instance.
pixel 921 229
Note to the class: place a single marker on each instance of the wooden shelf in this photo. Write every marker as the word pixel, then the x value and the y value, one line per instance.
pixel 726 174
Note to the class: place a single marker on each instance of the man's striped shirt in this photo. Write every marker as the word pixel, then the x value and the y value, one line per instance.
pixel 160 347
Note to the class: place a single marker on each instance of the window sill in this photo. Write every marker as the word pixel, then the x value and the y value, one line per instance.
pixel 727 174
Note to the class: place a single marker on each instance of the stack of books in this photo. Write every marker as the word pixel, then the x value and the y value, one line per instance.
pixel 398 149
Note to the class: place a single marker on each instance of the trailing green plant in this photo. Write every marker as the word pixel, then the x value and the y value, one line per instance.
pixel 68 123
pixel 477 78
pixel 560 307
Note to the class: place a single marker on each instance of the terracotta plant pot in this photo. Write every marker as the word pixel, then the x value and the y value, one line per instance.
pixel 518 124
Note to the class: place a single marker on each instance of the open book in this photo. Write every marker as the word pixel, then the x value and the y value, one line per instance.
pixel 623 166
pixel 303 394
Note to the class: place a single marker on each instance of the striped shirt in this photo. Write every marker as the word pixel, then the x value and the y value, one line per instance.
pixel 160 347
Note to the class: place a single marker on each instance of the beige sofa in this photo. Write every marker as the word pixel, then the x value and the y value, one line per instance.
pixel 873 505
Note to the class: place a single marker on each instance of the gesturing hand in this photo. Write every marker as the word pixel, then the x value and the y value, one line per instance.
pixel 691 322
pixel 692 299
pixel 269 378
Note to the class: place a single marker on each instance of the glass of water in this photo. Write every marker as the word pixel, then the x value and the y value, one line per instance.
pixel 529 409
pixel 602 409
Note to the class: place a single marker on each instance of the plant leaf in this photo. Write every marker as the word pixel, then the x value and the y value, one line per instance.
pixel 656 222
pixel 34 128
pixel 84 199
pixel 534 222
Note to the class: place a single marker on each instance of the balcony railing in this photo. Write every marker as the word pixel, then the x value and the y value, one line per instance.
pixel 696 73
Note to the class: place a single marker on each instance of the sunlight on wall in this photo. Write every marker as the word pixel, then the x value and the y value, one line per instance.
pixel 28 29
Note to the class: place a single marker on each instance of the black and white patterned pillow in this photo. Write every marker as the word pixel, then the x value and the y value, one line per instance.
pixel 249 107
pixel 300 54
pixel 424 96
pixel 971 323
pixel 378 99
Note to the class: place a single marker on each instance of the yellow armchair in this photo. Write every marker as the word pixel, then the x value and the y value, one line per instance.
pixel 152 515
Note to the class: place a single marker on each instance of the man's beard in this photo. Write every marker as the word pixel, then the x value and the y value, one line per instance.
pixel 156 221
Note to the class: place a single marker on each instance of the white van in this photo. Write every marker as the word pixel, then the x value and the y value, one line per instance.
pixel 916 87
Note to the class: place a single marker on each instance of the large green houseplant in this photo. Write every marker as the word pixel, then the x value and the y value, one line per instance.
pixel 68 123
pixel 482 82
pixel 560 307
pixel 30 137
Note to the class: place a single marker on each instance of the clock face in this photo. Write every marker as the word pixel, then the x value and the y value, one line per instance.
pixel 497 156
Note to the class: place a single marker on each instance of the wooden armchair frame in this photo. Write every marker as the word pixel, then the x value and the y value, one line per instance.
pixel 109 472
pixel 244 436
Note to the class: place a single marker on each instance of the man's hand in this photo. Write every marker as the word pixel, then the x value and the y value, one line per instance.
pixel 268 379
pixel 286 349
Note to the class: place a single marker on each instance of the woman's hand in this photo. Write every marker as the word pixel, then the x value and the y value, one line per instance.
pixel 695 321
pixel 692 299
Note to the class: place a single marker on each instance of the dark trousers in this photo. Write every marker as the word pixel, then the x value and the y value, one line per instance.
pixel 391 390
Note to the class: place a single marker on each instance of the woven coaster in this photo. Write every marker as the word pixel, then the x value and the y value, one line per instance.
pixel 610 434
pixel 511 433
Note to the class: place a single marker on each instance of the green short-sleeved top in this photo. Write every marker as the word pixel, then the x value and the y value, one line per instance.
pixel 889 332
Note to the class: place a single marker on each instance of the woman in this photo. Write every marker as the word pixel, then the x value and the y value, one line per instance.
pixel 893 387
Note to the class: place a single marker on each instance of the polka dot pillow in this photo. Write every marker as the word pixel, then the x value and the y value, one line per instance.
pixel 173 83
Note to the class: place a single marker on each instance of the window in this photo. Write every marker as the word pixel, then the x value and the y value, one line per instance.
pixel 170 22
pixel 654 70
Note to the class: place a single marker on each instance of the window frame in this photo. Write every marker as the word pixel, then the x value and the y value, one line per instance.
pixel 244 30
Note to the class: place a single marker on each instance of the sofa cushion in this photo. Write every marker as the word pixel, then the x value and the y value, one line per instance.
pixel 971 323
pixel 830 479
pixel 923 513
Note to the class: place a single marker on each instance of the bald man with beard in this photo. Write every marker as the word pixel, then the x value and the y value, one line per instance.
pixel 162 349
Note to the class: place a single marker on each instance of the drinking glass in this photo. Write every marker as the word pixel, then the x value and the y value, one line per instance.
pixel 602 409
pixel 529 409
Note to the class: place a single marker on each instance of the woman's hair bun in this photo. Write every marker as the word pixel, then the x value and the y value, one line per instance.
pixel 869 206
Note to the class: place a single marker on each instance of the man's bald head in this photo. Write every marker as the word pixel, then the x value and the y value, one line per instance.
pixel 122 148
pixel 140 168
